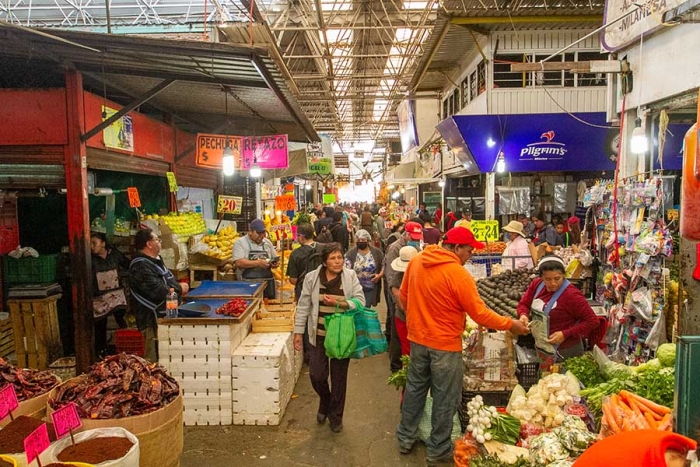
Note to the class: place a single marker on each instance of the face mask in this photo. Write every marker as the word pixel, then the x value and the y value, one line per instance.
pixel 414 243
pixel 361 246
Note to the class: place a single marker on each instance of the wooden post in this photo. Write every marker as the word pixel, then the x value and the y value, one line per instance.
pixel 78 223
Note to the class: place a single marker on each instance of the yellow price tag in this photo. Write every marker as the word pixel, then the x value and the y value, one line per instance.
pixel 172 182
pixel 485 231
pixel 229 204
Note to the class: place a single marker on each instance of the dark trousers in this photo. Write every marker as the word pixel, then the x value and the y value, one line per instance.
pixel 332 402
pixel 394 342
pixel 101 329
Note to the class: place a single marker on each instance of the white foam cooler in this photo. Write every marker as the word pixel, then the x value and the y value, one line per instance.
pixel 265 370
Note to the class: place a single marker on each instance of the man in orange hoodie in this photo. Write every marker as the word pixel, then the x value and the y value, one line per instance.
pixel 437 294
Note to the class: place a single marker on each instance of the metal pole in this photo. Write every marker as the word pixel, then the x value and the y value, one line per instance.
pixel 109 18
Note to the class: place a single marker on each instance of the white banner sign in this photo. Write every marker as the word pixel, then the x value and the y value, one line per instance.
pixel 637 20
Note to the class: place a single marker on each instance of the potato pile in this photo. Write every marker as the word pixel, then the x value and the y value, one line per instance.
pixel 502 293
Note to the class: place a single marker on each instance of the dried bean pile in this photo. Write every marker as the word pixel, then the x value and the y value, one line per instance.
pixel 119 386
pixel 28 383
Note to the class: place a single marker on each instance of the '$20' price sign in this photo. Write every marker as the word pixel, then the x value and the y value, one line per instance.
pixel 229 204
pixel 484 231
pixel 66 419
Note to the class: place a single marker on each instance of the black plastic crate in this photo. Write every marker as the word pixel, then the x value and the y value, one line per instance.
pixel 528 374
pixel 495 398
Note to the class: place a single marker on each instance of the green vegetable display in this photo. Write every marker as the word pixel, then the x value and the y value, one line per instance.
pixel 585 369
pixel 666 354
pixel 594 395
pixel 651 365
pixel 492 460
pixel 505 429
pixel 657 386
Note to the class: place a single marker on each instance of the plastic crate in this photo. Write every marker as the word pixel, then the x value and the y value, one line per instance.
pixel 130 341
pixel 528 374
pixel 495 398
pixel 9 239
pixel 29 270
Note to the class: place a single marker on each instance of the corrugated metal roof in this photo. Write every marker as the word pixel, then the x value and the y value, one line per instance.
pixel 136 64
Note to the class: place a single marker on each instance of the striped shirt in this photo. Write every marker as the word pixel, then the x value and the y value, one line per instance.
pixel 333 288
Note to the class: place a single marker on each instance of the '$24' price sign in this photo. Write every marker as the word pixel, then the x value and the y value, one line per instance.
pixel 484 231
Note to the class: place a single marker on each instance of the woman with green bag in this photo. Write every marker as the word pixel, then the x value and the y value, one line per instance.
pixel 326 295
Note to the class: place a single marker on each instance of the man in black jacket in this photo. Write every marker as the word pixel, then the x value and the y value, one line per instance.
pixel 150 283
pixel 339 233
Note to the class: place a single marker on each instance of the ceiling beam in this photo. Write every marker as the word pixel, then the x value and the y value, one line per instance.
pixel 477 20
pixel 426 64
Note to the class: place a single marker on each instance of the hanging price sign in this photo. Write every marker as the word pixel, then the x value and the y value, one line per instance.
pixel 134 200
pixel 36 443
pixel 8 401
pixel 285 203
pixel 65 420
pixel 229 204
pixel 172 181
pixel 485 231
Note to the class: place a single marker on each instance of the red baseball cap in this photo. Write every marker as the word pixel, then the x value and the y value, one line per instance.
pixel 462 236
pixel 415 230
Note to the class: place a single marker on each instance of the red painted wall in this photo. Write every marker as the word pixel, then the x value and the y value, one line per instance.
pixel 31 117
pixel 152 139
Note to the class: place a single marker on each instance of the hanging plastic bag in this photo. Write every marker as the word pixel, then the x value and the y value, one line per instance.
pixel 130 459
pixel 341 340
pixel 425 426
pixel 657 334
pixel 641 303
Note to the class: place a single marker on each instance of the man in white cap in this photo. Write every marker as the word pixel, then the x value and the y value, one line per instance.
pixel 437 293
pixel 517 253
pixel 399 265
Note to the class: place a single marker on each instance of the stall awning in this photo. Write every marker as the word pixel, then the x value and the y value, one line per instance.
pixel 534 142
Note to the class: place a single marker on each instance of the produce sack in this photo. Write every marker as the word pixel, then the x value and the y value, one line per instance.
pixel 368 333
pixel 426 425
pixel 131 459
pixel 341 340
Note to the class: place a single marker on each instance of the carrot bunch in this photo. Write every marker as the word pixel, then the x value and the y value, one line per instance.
pixel 627 411
pixel 466 448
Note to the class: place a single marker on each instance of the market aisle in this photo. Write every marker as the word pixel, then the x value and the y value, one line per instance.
pixel 368 438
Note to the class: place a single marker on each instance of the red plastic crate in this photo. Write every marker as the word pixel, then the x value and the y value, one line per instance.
pixel 130 341
pixel 9 239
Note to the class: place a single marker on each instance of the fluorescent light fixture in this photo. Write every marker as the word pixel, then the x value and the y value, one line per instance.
pixel 639 143
pixel 228 162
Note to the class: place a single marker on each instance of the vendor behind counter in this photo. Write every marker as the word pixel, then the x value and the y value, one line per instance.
pixel 558 314
pixel 254 257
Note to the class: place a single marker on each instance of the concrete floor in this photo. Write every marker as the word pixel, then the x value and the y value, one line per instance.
pixel 368 436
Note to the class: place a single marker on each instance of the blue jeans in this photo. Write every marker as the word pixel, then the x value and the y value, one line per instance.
pixel 369 296
pixel 441 372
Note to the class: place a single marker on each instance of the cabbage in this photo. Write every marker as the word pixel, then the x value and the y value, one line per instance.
pixel 667 354
pixel 615 370
pixel 651 365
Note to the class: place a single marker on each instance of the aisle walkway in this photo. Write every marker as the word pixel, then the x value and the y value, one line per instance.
pixel 368 439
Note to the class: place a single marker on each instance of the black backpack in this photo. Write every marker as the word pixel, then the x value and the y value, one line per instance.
pixel 313 261
pixel 325 236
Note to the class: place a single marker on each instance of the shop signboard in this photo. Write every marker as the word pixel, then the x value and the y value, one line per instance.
pixel 134 199
pixel 285 203
pixel 269 152
pixel 640 18
pixel 320 165
pixel 328 198
pixel 120 134
pixel 540 142
pixel 229 204
pixel 485 231
pixel 172 181
pixel 210 150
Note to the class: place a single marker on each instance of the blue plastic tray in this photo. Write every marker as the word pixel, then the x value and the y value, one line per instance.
pixel 214 303
pixel 226 289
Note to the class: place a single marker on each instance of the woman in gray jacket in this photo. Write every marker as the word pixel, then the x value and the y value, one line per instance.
pixel 326 290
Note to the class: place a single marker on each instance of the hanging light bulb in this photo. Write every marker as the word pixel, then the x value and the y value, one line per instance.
pixel 402 190
pixel 395 195
pixel 441 183
pixel 228 162
pixel 255 171
pixel 308 186
pixel 501 162
pixel 639 143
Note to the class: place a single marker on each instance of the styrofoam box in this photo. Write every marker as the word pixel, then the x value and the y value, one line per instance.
pixel 265 350
pixel 213 415
pixel 245 418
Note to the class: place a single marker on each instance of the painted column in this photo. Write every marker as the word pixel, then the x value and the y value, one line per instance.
pixel 78 223
pixel 490 195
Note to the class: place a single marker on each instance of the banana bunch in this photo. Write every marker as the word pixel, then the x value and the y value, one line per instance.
pixel 221 244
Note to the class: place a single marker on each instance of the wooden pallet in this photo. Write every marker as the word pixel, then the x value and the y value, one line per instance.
pixel 7 341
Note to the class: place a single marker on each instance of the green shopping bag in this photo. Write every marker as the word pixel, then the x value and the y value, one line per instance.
pixel 341 340
pixel 368 331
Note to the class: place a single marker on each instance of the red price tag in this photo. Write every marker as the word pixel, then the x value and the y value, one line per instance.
pixel 36 443
pixel 8 401
pixel 66 419
pixel 134 200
